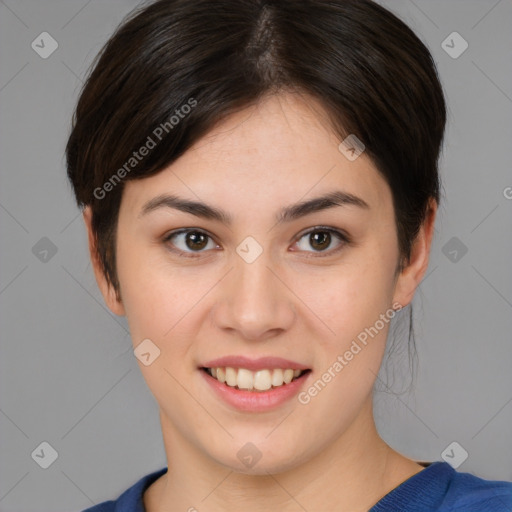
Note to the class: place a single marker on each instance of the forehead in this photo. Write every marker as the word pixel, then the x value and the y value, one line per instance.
pixel 279 151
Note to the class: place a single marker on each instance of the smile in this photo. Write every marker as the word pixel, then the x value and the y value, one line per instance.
pixel 254 385
pixel 261 380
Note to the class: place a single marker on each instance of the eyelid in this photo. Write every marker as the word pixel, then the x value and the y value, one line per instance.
pixel 179 231
pixel 342 236
pixel 190 254
pixel 337 231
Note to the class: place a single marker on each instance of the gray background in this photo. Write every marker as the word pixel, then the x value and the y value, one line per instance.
pixel 67 371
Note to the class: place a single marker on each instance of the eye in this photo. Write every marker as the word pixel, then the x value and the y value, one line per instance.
pixel 186 242
pixel 191 240
pixel 321 238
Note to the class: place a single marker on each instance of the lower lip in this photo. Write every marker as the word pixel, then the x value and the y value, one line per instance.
pixel 256 401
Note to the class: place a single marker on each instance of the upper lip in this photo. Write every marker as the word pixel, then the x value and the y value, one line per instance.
pixel 262 363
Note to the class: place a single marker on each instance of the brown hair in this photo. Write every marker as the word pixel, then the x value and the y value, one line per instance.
pixel 373 75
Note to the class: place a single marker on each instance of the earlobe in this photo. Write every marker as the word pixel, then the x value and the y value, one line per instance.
pixel 414 271
pixel 107 290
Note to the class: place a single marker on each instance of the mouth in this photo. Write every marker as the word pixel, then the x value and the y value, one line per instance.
pixel 259 381
pixel 254 385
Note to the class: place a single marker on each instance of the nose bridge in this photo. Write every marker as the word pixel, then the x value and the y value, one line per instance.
pixel 254 286
pixel 256 300
pixel 252 274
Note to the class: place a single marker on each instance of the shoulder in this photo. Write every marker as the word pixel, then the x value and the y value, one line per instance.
pixel 106 506
pixel 132 499
pixel 469 493
pixel 440 488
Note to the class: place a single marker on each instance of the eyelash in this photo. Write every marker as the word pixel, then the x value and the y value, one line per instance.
pixel 342 237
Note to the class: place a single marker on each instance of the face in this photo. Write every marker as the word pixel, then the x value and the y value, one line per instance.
pixel 259 289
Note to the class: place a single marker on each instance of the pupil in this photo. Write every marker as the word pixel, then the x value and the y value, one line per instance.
pixel 320 240
pixel 194 238
pixel 324 239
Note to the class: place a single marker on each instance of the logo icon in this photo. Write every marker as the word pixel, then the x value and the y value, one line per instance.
pixel 249 249
pixel 45 455
pixel 44 250
pixel 249 455
pixel 454 249
pixel 44 45
pixel 454 45
pixel 351 147
pixel 454 454
pixel 146 352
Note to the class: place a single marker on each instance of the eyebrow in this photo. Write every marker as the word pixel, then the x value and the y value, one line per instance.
pixel 286 214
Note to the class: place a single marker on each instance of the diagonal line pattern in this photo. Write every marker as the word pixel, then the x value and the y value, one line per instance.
pixel 485 218
pixel 14 485
pixel 13 279
pixel 428 275
pixel 503 407
pixel 94 298
pixel 334 334
pixel 292 497
pixel 198 301
pixel 104 395
pixel 406 405
pixel 192 191
pixel 492 81
pixel 217 486
pixel 76 76
pixel 485 15
pixel 16 74
pixel 12 216
pixel 65 474
pixel 70 222
pixel 292 411
pixel 13 13
pixel 494 288
pixel 76 14
pixel 129 349
pixel 424 14
pixel 198 402
pixel 14 423
pixel 308 191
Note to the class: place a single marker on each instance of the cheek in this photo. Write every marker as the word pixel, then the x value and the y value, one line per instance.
pixel 349 360
pixel 158 308
pixel 153 295
pixel 351 303
pixel 351 297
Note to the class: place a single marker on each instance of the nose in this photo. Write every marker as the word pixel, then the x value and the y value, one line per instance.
pixel 255 302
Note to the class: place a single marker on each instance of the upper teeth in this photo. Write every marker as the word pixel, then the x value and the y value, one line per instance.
pixel 260 380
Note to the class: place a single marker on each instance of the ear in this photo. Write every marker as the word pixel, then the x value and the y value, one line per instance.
pixel 107 290
pixel 410 277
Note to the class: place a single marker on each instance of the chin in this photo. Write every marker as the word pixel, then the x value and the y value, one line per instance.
pixel 260 456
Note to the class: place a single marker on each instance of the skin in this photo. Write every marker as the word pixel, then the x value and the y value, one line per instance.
pixel 324 455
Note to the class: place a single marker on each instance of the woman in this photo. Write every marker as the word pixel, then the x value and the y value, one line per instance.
pixel 260 187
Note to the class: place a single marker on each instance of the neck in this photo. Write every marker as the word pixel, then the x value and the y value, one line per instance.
pixel 352 473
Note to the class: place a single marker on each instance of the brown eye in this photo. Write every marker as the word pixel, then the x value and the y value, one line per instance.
pixel 195 240
pixel 188 241
pixel 321 239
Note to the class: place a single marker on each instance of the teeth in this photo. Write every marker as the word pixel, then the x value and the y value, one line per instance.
pixel 277 378
pixel 231 375
pixel 221 374
pixel 261 380
pixel 245 379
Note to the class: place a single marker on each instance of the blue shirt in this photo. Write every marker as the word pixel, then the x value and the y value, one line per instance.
pixel 437 488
